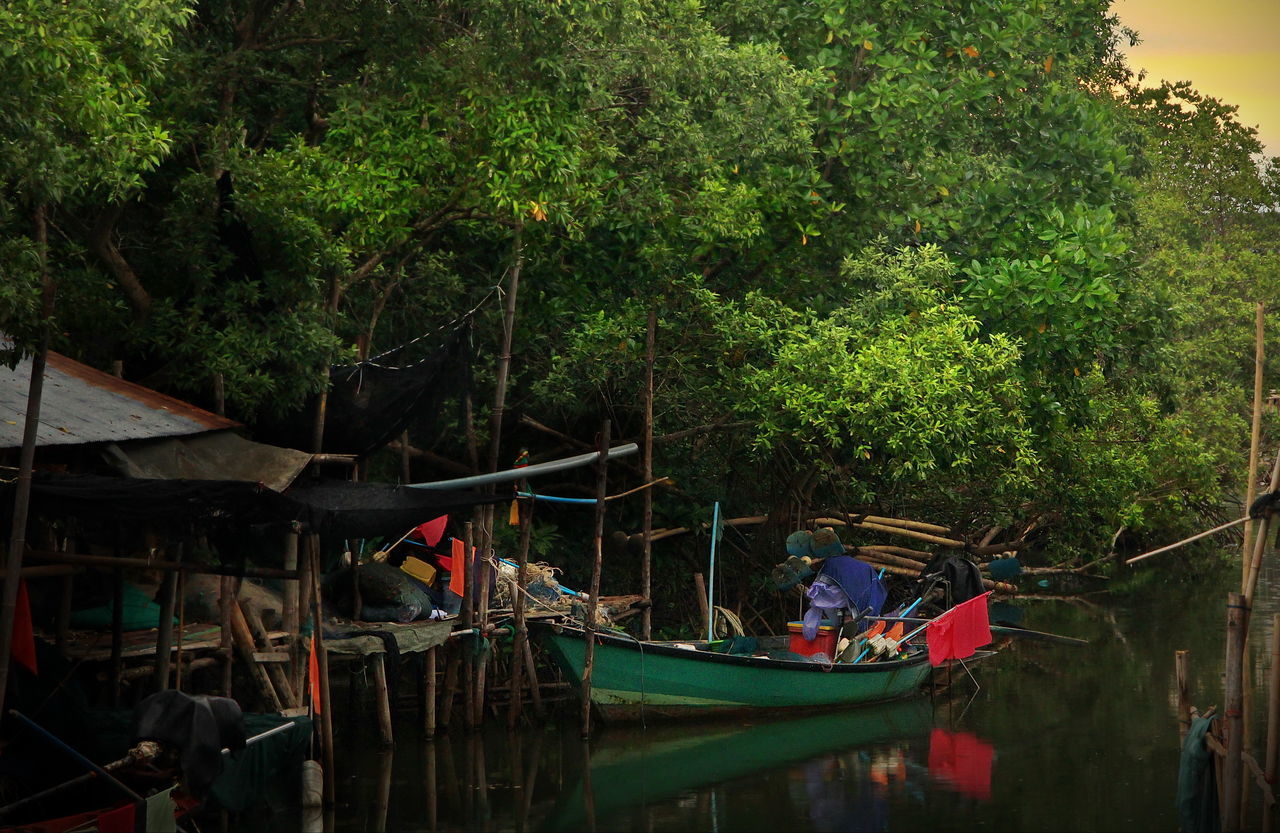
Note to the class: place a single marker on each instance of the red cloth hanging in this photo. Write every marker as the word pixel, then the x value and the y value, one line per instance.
pixel 960 631
pixel 22 647
pixel 313 676
pixel 457 569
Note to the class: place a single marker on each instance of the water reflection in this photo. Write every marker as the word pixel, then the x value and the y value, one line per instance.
pixel 629 768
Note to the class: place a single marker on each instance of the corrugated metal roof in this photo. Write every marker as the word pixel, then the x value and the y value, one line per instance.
pixel 83 405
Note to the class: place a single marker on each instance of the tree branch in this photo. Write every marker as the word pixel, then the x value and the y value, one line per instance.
pixel 104 247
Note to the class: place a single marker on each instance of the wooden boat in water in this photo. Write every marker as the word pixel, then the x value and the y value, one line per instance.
pixel 633 680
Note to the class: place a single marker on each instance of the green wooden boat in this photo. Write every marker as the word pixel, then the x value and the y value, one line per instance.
pixel 634 680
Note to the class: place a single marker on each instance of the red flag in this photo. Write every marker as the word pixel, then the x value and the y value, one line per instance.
pixel 457 583
pixel 313 677
pixel 433 531
pixel 23 645
pixel 960 631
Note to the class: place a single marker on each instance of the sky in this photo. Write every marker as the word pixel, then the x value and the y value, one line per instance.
pixel 1229 49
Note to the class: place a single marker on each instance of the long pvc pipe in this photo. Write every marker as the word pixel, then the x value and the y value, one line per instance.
pixel 711 585
pixel 509 475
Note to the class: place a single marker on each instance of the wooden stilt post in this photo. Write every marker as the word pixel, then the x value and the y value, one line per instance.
pixel 531 671
pixel 429 662
pixel 1273 723
pixel 646 575
pixel 64 612
pixel 517 611
pixel 452 661
pixel 433 789
pixel 164 634
pixel 290 619
pixel 322 660
pixel 182 624
pixel 468 623
pixel 117 633
pixel 383 698
pixel 1184 703
pixel 226 596
pixel 385 760
pixel 1237 626
pixel 483 569
pixel 594 596
pixel 300 668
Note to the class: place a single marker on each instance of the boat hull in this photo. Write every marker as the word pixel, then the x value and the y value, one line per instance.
pixel 634 680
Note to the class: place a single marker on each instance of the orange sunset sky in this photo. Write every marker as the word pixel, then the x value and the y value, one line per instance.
pixel 1229 49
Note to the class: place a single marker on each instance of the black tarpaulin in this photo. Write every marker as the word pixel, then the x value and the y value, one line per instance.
pixel 328 507
pixel 366 510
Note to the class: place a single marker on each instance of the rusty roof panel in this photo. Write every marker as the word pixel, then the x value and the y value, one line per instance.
pixel 82 405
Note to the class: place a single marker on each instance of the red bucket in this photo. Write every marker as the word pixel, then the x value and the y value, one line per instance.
pixel 823 643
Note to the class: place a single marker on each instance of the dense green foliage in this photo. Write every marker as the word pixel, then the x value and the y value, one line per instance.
pixel 943 260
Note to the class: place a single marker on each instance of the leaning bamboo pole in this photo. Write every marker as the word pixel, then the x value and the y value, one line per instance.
pixel 598 556
pixel 1255 434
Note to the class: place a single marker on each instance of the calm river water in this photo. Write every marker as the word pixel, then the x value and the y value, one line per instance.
pixel 1045 737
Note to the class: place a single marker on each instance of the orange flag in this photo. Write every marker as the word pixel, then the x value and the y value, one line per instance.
pixel 23 645
pixel 313 677
pixel 457 572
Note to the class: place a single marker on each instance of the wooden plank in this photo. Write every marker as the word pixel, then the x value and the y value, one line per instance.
pixel 273 656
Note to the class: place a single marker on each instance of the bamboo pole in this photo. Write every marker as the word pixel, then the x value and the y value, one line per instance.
pixel 1273 723
pixel 858 520
pixel 1237 627
pixel 164 633
pixel 64 611
pixel 433 790
pixel 182 625
pixel 383 697
pixel 468 623
pixel 1185 541
pixel 525 508
pixel 594 596
pixel 1184 701
pixel 164 566
pixel 429 729
pixel 452 661
pixel 1255 434
pixel 117 634
pixel 482 639
pixel 531 671
pixel 226 595
pixel 301 673
pixel 646 553
pixel 322 660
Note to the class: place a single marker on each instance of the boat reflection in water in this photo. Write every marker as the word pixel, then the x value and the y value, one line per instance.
pixel 833 771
